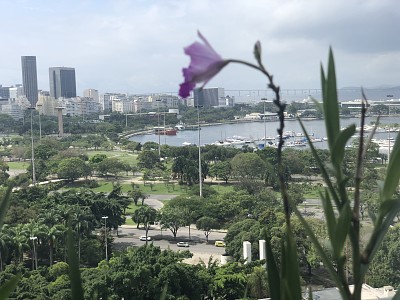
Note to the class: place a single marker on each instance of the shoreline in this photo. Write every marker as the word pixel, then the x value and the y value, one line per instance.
pixel 145 131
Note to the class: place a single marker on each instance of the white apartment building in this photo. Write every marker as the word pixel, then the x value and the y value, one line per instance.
pixel 79 106
pixel 91 93
pixel 106 100
pixel 122 105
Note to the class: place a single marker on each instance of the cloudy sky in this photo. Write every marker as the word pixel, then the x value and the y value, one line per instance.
pixel 136 46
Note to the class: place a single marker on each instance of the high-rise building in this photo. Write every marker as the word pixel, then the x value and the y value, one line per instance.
pixel 208 97
pixel 62 82
pixel 29 79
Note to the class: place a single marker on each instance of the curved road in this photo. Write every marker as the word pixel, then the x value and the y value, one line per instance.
pixel 129 236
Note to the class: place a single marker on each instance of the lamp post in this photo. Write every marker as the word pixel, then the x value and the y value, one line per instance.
pixel 33 151
pixel 265 127
pixel 34 256
pixel 105 234
pixel 200 172
pixel 158 129
pixel 40 122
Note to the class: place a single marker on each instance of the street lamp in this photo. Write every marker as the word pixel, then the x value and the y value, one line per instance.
pixel 34 257
pixel 265 127
pixel 105 234
pixel 33 151
pixel 200 173
pixel 40 122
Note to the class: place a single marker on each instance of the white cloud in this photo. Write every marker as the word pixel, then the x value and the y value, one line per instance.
pixel 136 46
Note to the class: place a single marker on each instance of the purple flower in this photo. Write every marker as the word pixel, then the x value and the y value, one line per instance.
pixel 204 64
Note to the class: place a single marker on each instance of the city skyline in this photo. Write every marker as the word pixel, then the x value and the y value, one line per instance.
pixel 113 48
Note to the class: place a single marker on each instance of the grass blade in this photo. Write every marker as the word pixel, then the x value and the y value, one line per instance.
pixel 74 272
pixel 392 174
pixel 273 273
pixel 8 287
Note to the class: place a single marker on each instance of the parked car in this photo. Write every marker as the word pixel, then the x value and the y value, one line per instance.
pixel 182 244
pixel 143 238
pixel 219 244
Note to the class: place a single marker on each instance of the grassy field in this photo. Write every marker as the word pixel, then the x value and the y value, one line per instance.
pixel 18 165
pixel 122 155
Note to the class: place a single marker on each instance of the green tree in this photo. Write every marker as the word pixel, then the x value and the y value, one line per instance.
pixel 173 219
pixel 72 169
pixel 247 165
pixel 221 170
pixel 229 282
pixel 207 224
pixel 145 215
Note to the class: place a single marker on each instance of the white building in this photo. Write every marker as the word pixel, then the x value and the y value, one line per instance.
pixel 91 93
pixel 79 106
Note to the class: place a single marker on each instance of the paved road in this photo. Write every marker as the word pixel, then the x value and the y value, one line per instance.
pixel 155 200
pixel 129 236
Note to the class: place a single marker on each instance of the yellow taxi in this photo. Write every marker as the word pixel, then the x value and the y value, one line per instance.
pixel 219 244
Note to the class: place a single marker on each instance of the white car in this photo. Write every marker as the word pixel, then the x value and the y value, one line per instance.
pixel 182 244
pixel 143 238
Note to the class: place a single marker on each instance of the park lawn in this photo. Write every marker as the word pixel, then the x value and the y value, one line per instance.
pixel 131 209
pixel 223 188
pixel 129 221
pixel 314 194
pixel 157 189
pixel 124 156
pixel 18 165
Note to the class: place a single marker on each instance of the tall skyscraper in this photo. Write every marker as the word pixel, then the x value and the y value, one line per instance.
pixel 208 97
pixel 29 79
pixel 62 82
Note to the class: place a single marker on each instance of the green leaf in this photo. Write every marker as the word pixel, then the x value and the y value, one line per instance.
pixel 329 215
pixel 164 292
pixel 74 272
pixel 290 268
pixel 5 203
pixel 325 259
pixel 8 287
pixel 342 229
pixel 387 212
pixel 330 103
pixel 273 273
pixel 321 165
pixel 340 144
pixel 392 174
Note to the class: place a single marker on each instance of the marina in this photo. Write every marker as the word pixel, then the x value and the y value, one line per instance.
pixel 256 134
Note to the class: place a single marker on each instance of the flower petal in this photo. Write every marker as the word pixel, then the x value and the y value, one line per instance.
pixel 205 63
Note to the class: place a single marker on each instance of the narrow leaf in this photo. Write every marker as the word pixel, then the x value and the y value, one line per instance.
pixel 391 209
pixel 8 287
pixel 330 103
pixel 340 143
pixel 321 165
pixel 273 273
pixel 290 268
pixel 74 273
pixel 342 229
pixel 5 203
pixel 329 215
pixel 392 174
pixel 325 259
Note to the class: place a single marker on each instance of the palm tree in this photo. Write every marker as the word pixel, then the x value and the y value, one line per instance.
pixel 19 241
pixel 52 235
pixel 50 217
pixel 35 229
pixel 5 241
pixel 80 221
